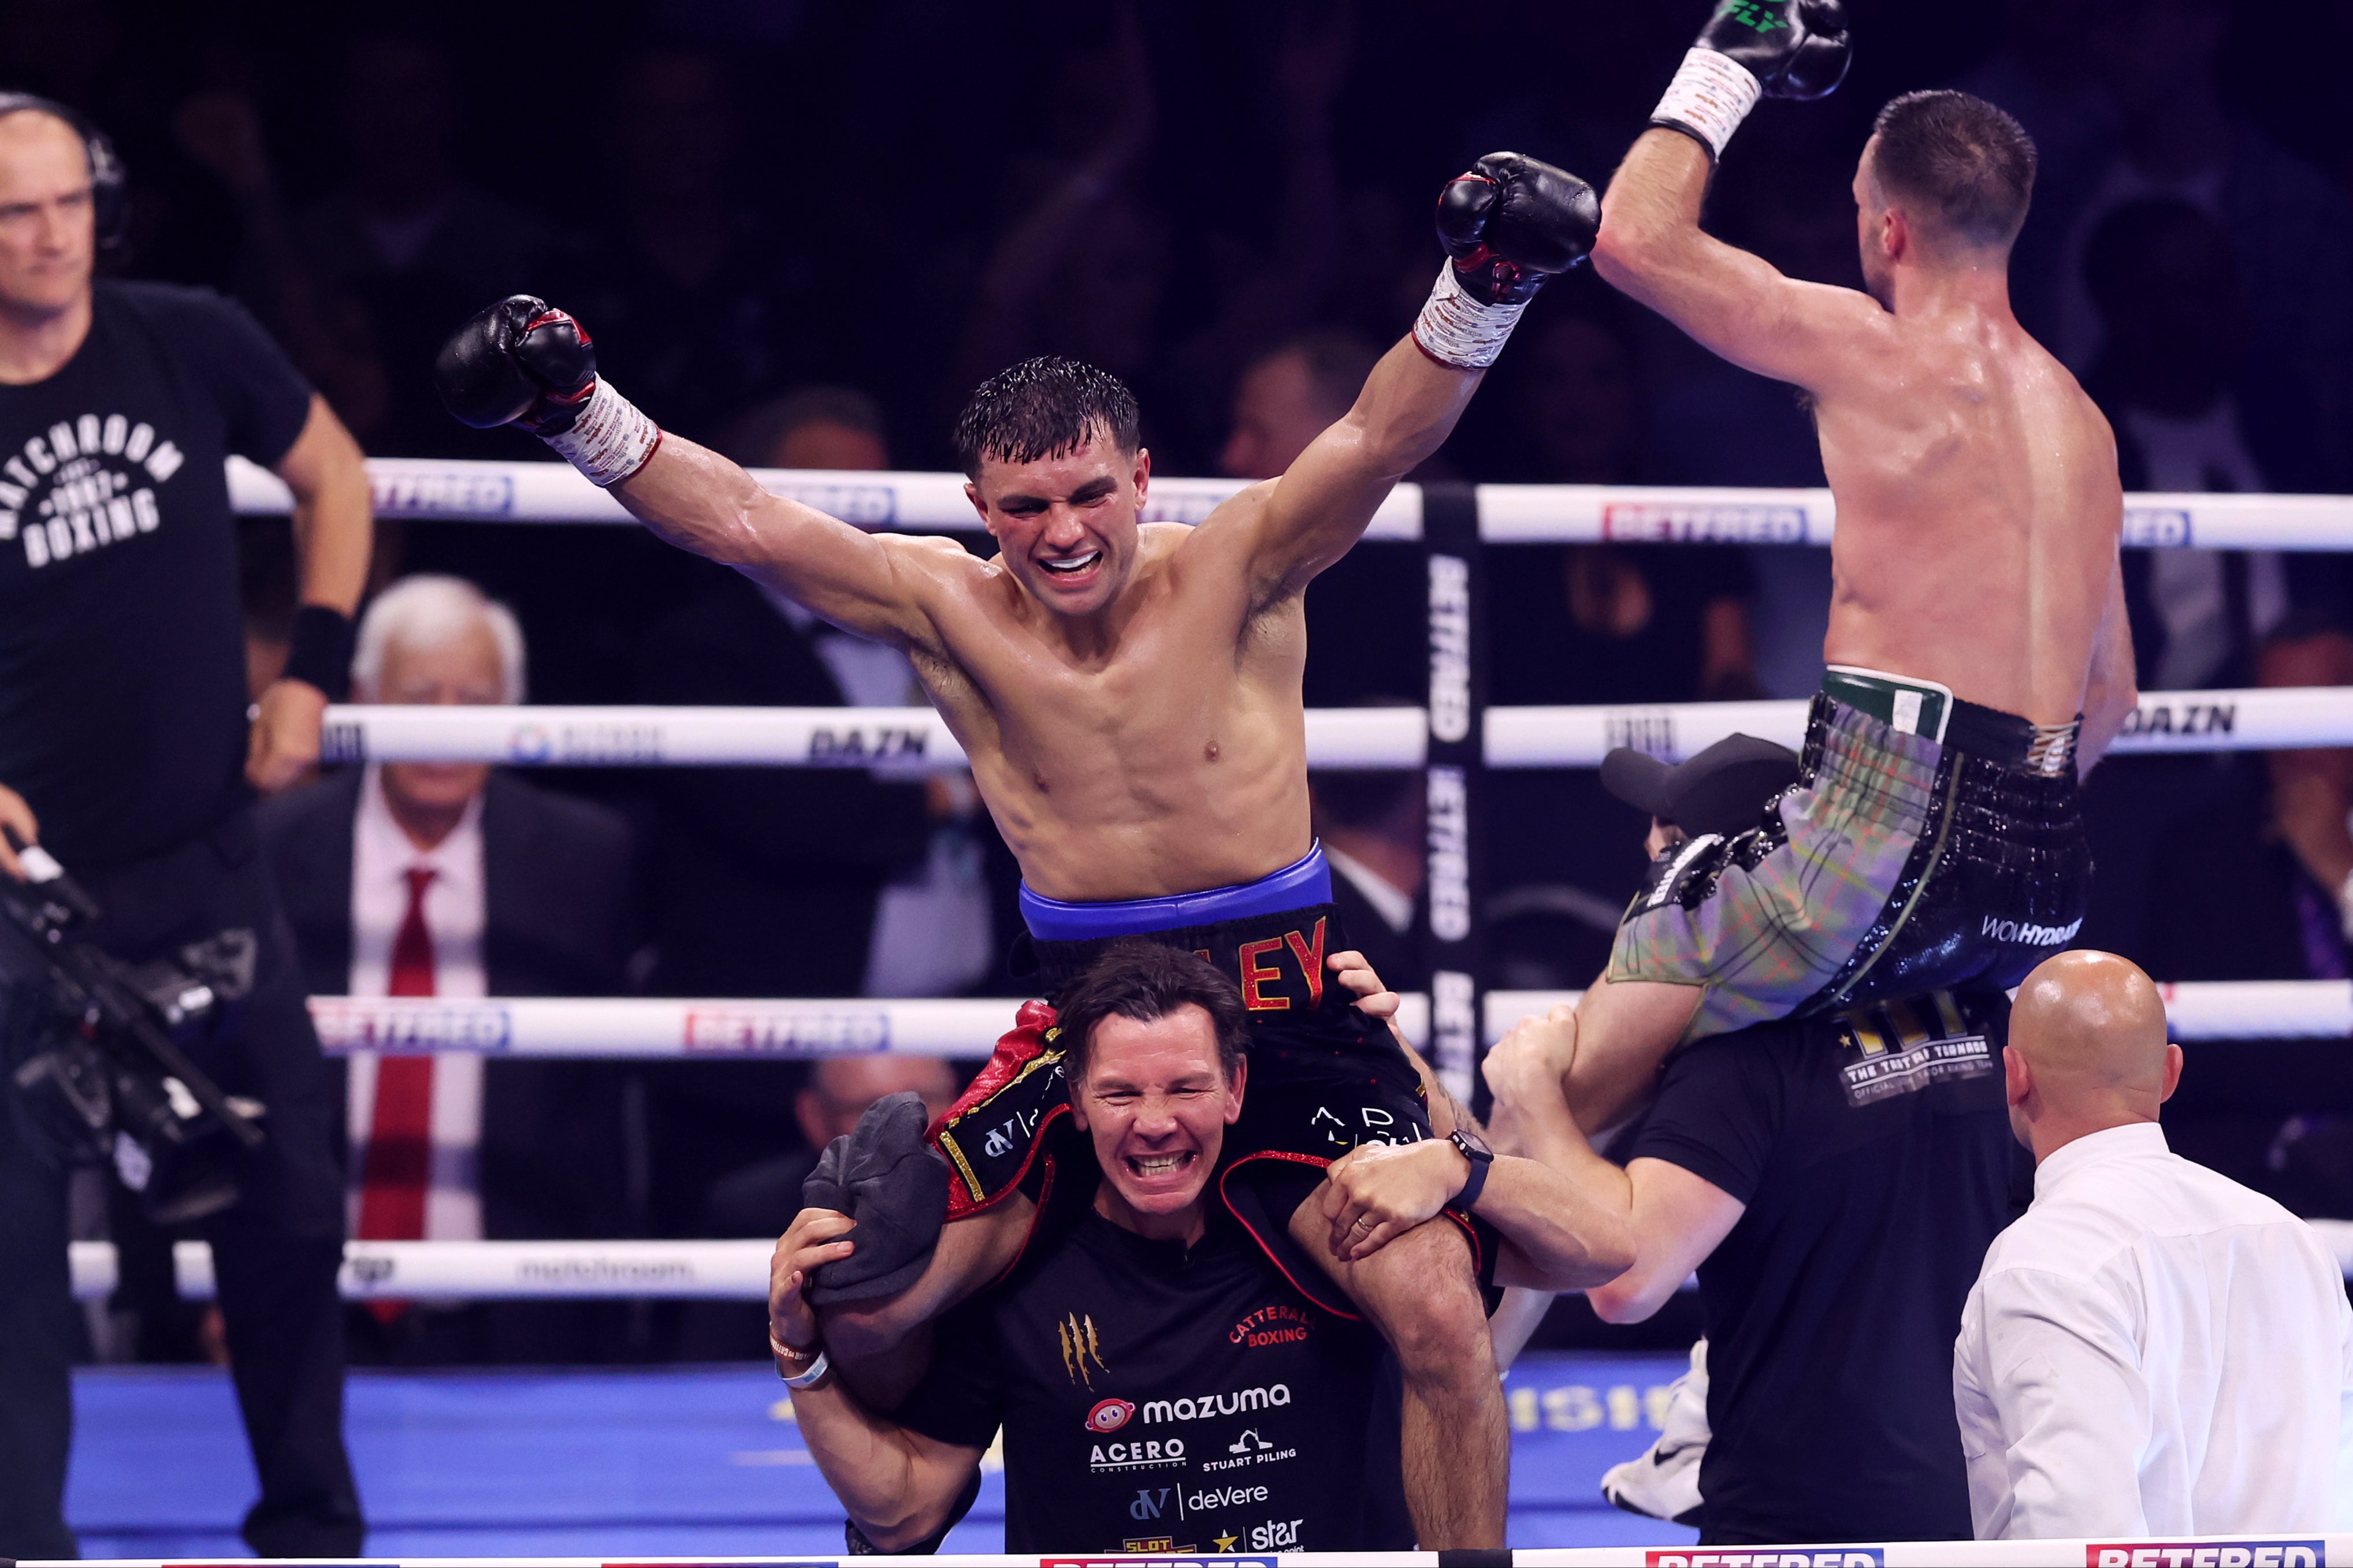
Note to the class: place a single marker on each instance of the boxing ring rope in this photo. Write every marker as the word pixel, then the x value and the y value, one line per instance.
pixel 572 1271
pixel 651 1028
pixel 458 490
pixel 2268 718
pixel 2205 1551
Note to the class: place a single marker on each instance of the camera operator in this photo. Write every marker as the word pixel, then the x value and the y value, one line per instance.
pixel 126 753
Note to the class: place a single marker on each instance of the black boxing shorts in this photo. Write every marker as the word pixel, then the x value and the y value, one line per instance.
pixel 1323 1076
pixel 1930 844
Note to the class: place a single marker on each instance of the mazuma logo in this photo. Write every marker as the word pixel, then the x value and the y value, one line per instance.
pixel 1210 1405
pixel 1109 1416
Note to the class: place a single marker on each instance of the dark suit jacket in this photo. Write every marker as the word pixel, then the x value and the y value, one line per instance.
pixel 766 880
pixel 561 918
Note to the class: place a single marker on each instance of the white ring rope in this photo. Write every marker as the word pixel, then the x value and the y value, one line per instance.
pixel 1360 738
pixel 568 1270
pixel 626 1027
pixel 488 1270
pixel 455 490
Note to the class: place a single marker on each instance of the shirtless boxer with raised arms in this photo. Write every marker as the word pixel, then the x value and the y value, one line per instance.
pixel 1977 651
pixel 1129 697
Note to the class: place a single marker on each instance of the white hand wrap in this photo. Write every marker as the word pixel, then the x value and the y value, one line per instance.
pixel 610 440
pixel 1456 329
pixel 1711 95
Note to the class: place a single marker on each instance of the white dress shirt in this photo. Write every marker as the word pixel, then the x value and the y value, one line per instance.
pixel 455 913
pixel 2153 1350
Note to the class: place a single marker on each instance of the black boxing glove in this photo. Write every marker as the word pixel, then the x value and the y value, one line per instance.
pixel 524 363
pixel 1751 49
pixel 1509 223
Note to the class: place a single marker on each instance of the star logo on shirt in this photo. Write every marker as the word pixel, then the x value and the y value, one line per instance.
pixel 1226 1543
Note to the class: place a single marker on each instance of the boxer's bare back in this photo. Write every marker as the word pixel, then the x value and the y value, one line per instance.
pixel 1136 725
pixel 1978 507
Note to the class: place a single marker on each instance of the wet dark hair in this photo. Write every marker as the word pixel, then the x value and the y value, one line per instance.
pixel 1044 408
pixel 1144 981
pixel 1970 161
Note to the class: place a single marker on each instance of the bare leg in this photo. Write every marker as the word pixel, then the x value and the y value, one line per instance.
pixel 1420 1292
pixel 1623 1032
pixel 874 1344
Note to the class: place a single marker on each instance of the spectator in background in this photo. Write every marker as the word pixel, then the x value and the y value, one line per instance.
pixel 2176 380
pixel 2046 74
pixel 1586 624
pixel 815 427
pixel 2191 412
pixel 2248 880
pixel 1372 826
pixel 1283 401
pixel 1083 265
pixel 702 305
pixel 790 881
pixel 1287 397
pixel 458 880
pixel 357 284
pixel 2254 886
pixel 2289 227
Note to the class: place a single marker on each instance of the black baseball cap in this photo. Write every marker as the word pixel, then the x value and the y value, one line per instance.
pixel 1721 790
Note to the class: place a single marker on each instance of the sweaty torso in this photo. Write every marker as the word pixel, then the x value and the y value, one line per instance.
pixel 1167 756
pixel 1977 516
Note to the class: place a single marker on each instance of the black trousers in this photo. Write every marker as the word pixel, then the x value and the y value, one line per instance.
pixel 275 1253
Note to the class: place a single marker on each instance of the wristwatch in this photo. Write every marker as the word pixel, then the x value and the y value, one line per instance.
pixel 1482 1159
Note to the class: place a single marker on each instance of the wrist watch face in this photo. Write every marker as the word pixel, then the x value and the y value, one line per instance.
pixel 1475 1148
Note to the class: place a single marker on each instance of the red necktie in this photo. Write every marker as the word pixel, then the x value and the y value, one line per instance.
pixel 398 1165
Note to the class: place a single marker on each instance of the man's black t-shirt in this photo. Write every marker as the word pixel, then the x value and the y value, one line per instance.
pixel 122 690
pixel 1875 1154
pixel 1157 1399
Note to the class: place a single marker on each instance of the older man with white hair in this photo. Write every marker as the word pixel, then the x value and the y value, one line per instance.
pixel 458 880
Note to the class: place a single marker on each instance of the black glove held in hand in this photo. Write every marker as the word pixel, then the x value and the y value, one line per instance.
pixel 1510 222
pixel 521 362
pixel 888 1178
pixel 1795 49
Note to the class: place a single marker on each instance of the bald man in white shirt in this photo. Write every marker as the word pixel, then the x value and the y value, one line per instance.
pixel 2152 1348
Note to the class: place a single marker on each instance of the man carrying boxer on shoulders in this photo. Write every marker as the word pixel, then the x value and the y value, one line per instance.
pixel 1130 698
pixel 1978 655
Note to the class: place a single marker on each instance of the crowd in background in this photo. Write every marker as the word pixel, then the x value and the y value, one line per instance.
pixel 800 232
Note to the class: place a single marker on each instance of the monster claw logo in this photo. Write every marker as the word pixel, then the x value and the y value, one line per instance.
pixel 1081 1350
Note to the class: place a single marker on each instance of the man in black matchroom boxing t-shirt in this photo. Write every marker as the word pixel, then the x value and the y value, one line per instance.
pixel 125 752
pixel 1161 1385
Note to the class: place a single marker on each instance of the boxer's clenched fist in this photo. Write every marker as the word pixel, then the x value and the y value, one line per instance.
pixel 521 362
pixel 1510 222
pixel 1753 48
pixel 1795 49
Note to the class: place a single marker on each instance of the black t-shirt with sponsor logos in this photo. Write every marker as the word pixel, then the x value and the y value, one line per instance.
pixel 122 688
pixel 1875 1154
pixel 1160 1399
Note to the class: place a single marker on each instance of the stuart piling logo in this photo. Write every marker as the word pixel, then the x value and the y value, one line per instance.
pixel 83 484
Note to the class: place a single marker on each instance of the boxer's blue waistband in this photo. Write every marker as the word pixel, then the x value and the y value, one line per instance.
pixel 1305 882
